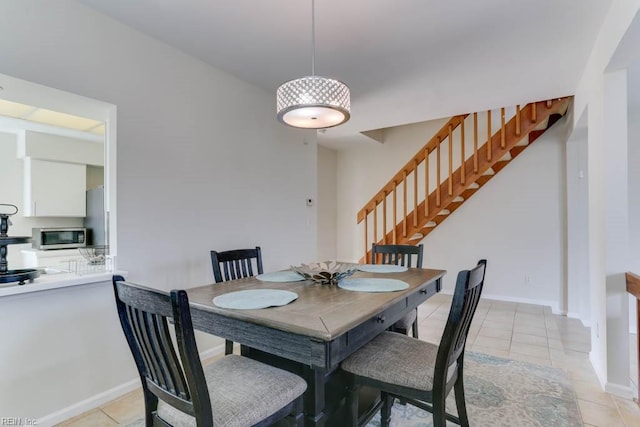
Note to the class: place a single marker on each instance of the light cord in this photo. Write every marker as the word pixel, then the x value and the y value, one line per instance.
pixel 313 38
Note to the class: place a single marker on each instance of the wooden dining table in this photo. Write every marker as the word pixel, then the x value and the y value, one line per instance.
pixel 313 334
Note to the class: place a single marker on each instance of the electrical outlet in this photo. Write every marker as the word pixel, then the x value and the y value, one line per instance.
pixel 527 279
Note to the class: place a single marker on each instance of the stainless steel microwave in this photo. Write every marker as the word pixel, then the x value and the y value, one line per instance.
pixel 59 238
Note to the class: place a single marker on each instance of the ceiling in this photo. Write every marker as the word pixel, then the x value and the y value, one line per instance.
pixel 25 114
pixel 405 60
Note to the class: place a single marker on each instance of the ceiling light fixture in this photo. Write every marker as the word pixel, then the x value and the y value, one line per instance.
pixel 313 102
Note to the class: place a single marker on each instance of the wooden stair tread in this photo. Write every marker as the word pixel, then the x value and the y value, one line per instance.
pixel 489 171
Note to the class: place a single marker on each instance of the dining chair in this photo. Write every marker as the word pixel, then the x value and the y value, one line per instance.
pixel 236 264
pixel 178 390
pixel 408 256
pixel 417 372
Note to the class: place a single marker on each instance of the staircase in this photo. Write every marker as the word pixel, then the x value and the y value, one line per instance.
pixel 450 168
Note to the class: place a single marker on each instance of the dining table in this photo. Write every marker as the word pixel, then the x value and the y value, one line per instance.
pixel 314 332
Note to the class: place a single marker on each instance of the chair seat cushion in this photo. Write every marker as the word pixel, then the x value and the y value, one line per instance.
pixel 242 391
pixel 407 321
pixel 395 359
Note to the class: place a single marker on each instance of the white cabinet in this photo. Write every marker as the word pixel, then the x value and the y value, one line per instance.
pixel 54 189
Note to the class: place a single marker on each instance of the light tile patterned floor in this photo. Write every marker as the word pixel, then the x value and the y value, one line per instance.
pixel 525 332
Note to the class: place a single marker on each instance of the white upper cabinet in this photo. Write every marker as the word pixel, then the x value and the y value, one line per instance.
pixel 54 189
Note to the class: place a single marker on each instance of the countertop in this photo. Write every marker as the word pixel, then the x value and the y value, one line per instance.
pixel 55 281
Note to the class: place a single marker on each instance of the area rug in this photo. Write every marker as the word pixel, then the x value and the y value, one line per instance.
pixel 503 392
pixel 500 392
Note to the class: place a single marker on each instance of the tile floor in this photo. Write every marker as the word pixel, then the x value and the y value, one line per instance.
pixel 525 332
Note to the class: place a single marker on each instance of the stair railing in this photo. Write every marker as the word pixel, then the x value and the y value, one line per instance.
pixel 444 167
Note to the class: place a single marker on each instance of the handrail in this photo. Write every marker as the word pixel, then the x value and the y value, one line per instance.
pixel 633 284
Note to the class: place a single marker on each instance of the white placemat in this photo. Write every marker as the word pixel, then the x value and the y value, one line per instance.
pixel 280 276
pixel 372 285
pixel 252 299
pixel 382 268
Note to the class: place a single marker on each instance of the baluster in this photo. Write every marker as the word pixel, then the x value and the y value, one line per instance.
pixel 489 135
pixel 404 203
pixel 502 129
pixel 438 173
pixel 374 239
pixel 450 160
pixel 415 193
pixel 395 213
pixel 534 112
pixel 366 237
pixel 518 124
pixel 475 142
pixel 384 218
pixel 462 155
pixel 426 182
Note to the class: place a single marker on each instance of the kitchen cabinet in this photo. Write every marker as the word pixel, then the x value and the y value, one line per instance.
pixel 54 189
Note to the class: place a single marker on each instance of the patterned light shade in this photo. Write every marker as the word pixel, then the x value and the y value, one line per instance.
pixel 313 103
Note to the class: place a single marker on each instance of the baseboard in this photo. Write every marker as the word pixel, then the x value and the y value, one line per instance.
pixel 634 389
pixel 107 396
pixel 585 323
pixel 599 375
pixel 89 404
pixel 619 390
pixel 557 311
pixel 552 304
pixel 213 351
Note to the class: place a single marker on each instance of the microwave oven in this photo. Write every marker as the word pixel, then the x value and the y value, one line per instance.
pixel 59 238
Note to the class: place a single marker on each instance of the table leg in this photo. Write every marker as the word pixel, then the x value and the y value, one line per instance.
pixel 314 398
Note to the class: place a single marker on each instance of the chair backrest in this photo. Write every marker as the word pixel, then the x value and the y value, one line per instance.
pixel 463 306
pixel 398 255
pixel 178 381
pixel 236 264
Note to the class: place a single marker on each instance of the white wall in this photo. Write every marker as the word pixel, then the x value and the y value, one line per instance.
pixel 578 301
pixel 590 96
pixel 202 164
pixel 61 348
pixel 633 117
pixel 515 221
pixel 327 203
pixel 11 183
pixel 634 188
pixel 616 215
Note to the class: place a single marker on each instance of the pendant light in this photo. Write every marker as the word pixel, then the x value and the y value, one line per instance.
pixel 313 102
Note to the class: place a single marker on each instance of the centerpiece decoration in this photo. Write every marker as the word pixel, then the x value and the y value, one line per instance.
pixel 327 272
